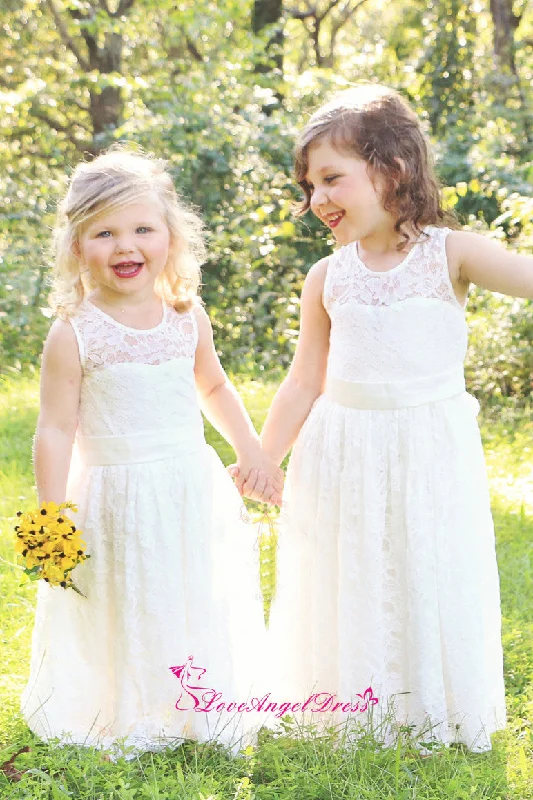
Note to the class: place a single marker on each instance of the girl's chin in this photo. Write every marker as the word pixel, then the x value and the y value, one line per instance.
pixel 341 239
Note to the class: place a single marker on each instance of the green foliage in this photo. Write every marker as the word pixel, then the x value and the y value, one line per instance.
pixel 186 89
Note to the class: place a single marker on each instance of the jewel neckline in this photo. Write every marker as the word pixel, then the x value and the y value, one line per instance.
pixel 128 327
pixel 402 263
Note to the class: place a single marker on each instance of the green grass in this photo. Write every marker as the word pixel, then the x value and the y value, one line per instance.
pixel 286 766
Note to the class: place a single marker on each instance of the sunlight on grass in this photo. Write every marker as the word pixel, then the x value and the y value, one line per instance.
pixel 283 766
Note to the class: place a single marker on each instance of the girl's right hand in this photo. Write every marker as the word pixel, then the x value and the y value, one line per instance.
pixel 258 484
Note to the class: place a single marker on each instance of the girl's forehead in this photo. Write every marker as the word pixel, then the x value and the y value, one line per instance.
pixel 323 155
pixel 141 210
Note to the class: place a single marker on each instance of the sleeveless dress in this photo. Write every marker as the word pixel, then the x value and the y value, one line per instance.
pixel 172 580
pixel 387 574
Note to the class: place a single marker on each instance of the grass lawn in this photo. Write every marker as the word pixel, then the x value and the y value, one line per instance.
pixel 281 766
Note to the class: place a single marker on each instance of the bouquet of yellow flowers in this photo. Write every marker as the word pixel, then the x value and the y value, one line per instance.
pixel 50 544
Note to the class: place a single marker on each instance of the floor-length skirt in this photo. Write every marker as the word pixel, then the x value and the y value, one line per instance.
pixel 387 573
pixel 172 582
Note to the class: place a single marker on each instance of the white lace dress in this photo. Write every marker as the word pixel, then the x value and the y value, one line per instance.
pixel 387 574
pixel 173 571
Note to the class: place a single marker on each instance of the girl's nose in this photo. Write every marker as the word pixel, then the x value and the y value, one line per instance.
pixel 319 198
pixel 123 245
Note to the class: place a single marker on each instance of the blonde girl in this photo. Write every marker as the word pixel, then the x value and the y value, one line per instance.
pixel 127 367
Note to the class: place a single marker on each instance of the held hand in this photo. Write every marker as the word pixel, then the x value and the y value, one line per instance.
pixel 258 486
pixel 263 483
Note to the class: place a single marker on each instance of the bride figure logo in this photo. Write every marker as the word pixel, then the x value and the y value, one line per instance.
pixel 189 677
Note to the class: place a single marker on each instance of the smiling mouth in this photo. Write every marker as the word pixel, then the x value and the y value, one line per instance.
pixel 332 220
pixel 127 269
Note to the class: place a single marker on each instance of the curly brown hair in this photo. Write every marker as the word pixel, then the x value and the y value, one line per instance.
pixel 376 124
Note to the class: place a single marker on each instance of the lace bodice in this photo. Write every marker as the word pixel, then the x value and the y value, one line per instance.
pixel 136 381
pixel 396 325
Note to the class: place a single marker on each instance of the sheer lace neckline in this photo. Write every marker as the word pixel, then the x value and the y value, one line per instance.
pixel 402 263
pixel 129 327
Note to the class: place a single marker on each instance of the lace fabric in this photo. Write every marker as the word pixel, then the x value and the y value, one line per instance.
pixel 387 573
pixel 173 570
pixel 422 273
pixel 396 325
pixel 103 341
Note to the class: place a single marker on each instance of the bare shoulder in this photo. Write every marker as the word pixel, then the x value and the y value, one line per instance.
pixel 205 329
pixel 61 344
pixel 313 288
pixel 201 315
pixel 453 255
pixel 317 274
pixel 61 371
pixel 205 349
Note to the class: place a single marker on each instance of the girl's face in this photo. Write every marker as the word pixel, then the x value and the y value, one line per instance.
pixel 125 250
pixel 343 195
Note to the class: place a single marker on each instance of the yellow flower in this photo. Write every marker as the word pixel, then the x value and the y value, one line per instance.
pixel 50 544
pixel 49 509
pixel 32 559
pixel 67 563
pixel 70 547
pixel 53 574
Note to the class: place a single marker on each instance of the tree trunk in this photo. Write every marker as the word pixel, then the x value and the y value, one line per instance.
pixel 106 104
pixel 269 12
pixel 505 24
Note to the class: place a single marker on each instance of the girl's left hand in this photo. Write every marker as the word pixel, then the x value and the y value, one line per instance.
pixel 262 482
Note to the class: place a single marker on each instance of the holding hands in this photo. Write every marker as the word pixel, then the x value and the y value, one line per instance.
pixel 257 477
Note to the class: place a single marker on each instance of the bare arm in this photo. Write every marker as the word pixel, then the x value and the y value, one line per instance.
pixel 225 410
pixel 307 375
pixel 489 265
pixel 58 414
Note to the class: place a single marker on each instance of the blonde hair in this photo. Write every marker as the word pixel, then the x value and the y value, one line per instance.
pixel 111 181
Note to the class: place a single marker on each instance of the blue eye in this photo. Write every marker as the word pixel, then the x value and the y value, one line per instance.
pixel 143 229
pixel 103 234
pixel 331 178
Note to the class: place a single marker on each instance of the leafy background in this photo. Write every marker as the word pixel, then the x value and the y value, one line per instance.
pixel 219 89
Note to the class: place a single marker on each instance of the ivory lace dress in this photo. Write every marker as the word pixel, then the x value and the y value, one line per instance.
pixel 387 574
pixel 173 571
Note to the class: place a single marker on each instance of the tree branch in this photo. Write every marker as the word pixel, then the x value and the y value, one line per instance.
pixel 16 135
pixel 312 11
pixel 519 16
pixel 67 39
pixel 193 50
pixel 123 6
pixel 333 3
pixel 74 102
pixel 57 126
pixel 295 14
pixel 336 24
pixel 345 14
